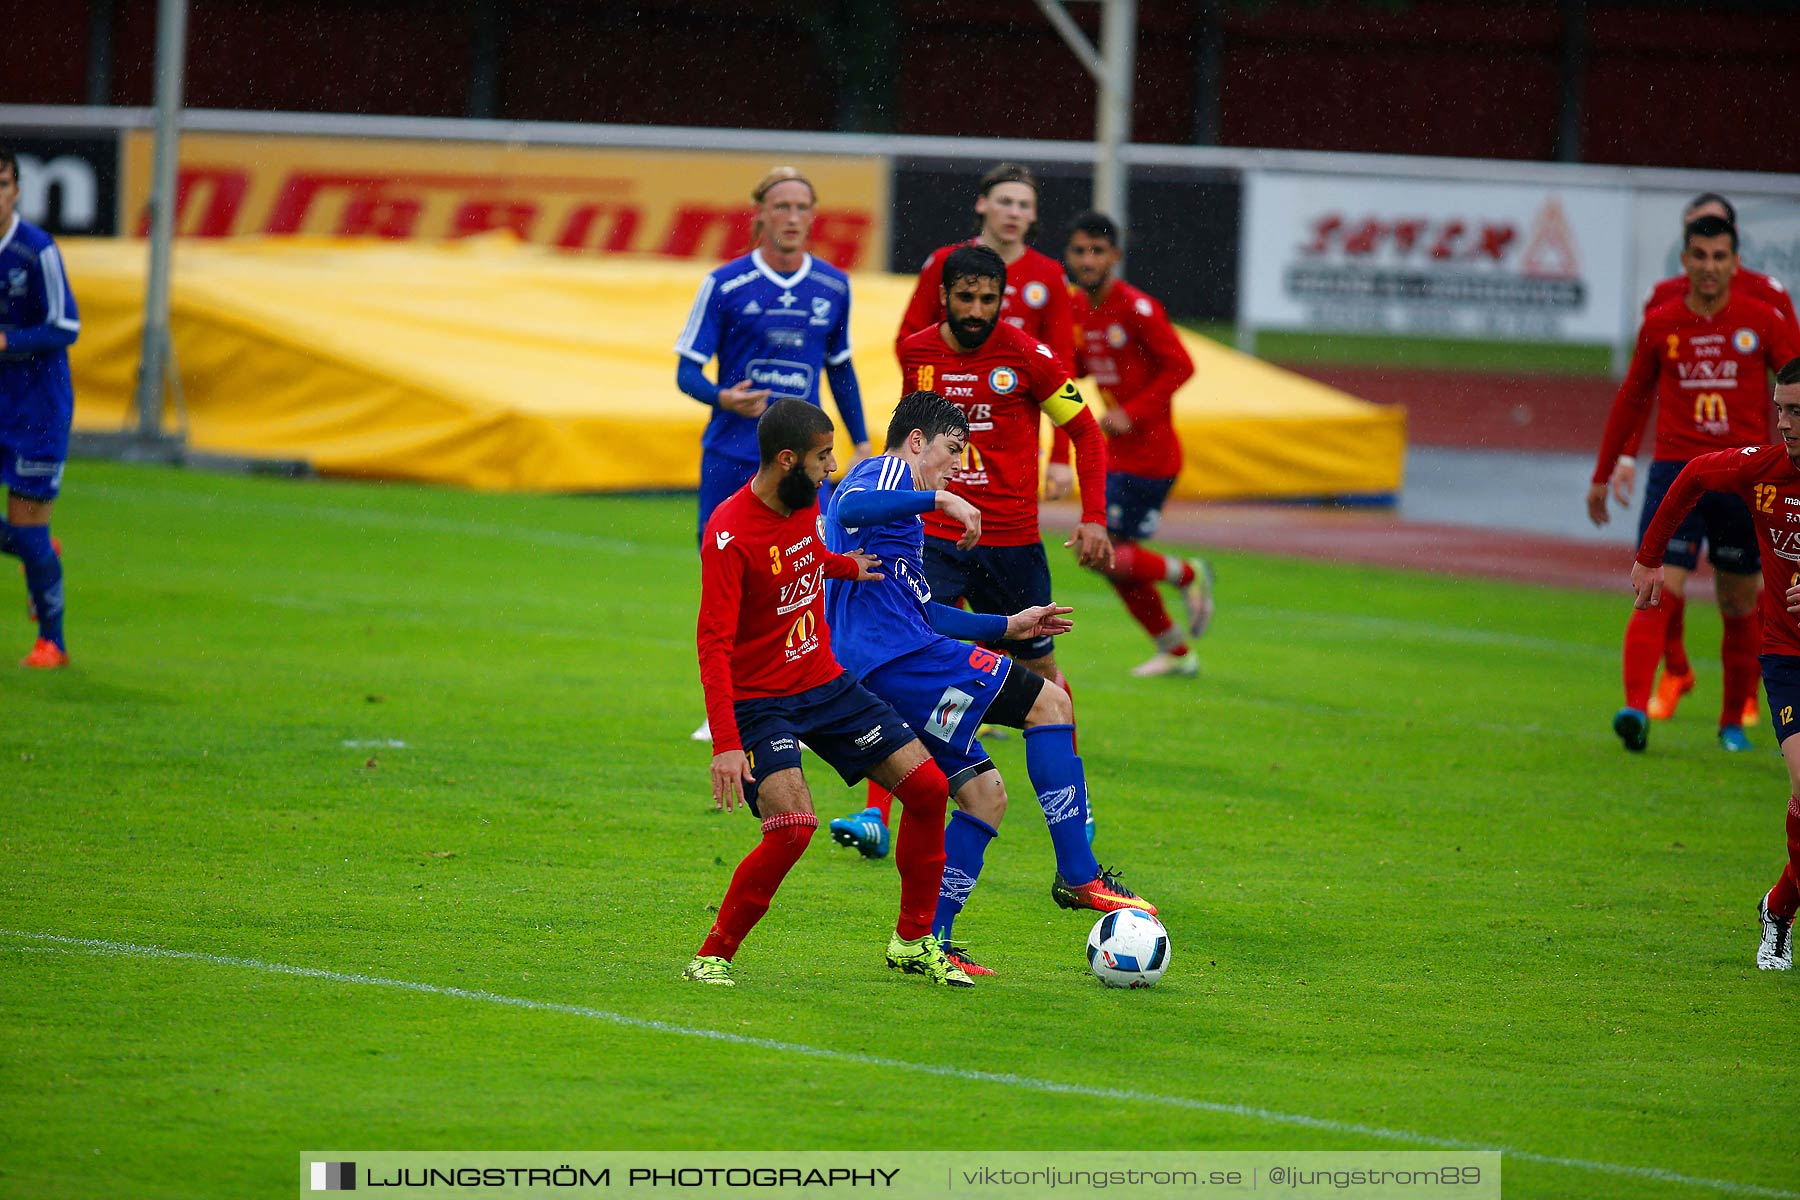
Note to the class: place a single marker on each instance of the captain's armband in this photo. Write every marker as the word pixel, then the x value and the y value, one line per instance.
pixel 1065 405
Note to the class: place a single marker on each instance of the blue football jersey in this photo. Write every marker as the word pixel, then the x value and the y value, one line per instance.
pixel 779 332
pixel 878 621
pixel 37 313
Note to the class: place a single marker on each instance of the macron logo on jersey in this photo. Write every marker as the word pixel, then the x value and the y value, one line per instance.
pixel 722 537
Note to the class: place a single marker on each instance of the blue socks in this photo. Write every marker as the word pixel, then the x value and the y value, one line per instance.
pixel 965 845
pixel 1061 787
pixel 30 544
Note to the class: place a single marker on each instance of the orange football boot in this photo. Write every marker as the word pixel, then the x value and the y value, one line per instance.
pixel 46 655
pixel 1669 691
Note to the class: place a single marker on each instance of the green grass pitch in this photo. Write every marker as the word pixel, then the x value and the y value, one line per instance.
pixel 1412 882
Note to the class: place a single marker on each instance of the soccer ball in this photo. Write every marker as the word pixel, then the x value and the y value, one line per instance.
pixel 1128 948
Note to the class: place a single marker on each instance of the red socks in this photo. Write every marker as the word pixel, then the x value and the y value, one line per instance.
pixel 753 884
pixel 1675 659
pixel 1644 638
pixel 919 846
pixel 1144 603
pixel 1737 651
pixel 1134 563
pixel 1784 897
pixel 882 801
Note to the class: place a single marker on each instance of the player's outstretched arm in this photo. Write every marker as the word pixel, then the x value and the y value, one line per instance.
pixel 729 768
pixel 1043 620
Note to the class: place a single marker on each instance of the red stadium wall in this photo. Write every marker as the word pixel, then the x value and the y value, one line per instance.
pixel 1665 84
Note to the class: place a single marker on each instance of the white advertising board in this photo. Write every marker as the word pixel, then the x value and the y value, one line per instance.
pixel 1517 262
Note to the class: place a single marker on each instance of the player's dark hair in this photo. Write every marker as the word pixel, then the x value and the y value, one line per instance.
pixel 930 414
pixel 1709 227
pixel 973 262
pixel 1095 225
pixel 9 159
pixel 790 425
pixel 1008 172
pixel 1713 198
pixel 1789 373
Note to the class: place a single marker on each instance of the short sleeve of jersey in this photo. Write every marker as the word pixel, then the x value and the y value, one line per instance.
pixel 699 339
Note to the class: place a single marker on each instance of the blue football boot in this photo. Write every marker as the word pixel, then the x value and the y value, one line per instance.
pixel 865 830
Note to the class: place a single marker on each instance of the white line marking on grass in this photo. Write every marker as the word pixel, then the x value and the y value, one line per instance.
pixel 1046 1086
pixel 375 744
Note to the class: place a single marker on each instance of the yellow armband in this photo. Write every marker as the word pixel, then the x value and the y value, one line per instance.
pixel 1065 405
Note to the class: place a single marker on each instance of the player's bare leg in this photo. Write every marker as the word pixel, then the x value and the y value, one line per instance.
pixel 26 536
pixel 1738 647
pixel 787 826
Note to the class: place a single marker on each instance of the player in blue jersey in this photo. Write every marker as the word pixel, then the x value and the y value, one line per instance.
pixel 900 645
pixel 777 320
pixel 38 323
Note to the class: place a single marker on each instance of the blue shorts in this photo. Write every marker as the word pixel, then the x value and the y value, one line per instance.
pixel 1781 683
pixel 993 579
pixel 839 721
pixel 1134 505
pixel 944 689
pixel 721 475
pixel 34 445
pixel 1720 519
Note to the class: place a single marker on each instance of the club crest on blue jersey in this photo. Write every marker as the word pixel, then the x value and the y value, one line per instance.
pixel 1745 341
pixel 1002 380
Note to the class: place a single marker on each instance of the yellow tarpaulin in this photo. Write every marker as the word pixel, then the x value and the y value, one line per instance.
pixel 492 365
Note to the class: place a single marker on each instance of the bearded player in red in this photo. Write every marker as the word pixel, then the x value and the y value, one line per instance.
pixel 771 682
pixel 1678 675
pixel 1705 358
pixel 1004 381
pixel 1767 480
pixel 1124 340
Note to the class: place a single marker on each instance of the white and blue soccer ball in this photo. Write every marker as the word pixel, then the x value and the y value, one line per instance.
pixel 1128 948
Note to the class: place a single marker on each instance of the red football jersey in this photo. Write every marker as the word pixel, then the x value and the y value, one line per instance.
pixel 1003 385
pixel 1128 345
pixel 762 625
pixel 1769 484
pixel 1036 300
pixel 1753 284
pixel 1709 376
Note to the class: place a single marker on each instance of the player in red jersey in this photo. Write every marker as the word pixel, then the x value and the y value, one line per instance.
pixel 1706 358
pixel 1036 299
pixel 771 681
pixel 1767 480
pixel 1004 381
pixel 1678 675
pixel 1124 340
